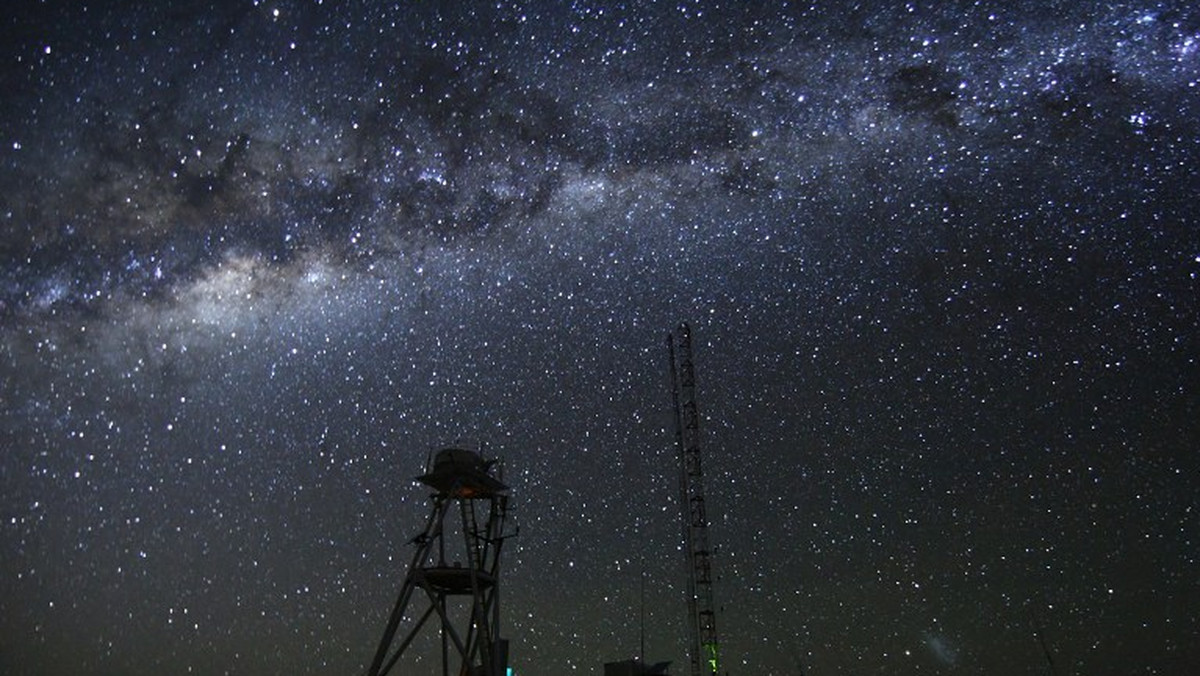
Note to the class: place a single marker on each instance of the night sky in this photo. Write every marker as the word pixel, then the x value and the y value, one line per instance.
pixel 942 265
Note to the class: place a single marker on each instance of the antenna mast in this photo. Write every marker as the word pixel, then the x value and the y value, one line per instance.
pixel 702 619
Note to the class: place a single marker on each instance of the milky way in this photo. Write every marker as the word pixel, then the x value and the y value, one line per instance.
pixel 941 263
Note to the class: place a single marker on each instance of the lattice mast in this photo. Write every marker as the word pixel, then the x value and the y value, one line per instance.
pixel 702 618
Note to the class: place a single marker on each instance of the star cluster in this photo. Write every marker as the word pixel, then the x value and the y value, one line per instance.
pixel 260 258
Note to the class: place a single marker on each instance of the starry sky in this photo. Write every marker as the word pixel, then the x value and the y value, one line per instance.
pixel 258 259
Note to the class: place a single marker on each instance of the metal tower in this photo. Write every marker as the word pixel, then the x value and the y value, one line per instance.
pixel 462 591
pixel 702 618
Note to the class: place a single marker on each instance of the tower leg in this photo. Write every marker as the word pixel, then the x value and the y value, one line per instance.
pixel 426 540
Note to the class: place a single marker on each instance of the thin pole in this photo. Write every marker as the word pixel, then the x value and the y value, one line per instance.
pixel 1037 631
pixel 642 649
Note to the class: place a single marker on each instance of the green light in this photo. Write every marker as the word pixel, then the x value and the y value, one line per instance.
pixel 711 649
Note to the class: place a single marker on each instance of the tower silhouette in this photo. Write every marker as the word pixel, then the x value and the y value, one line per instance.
pixel 453 583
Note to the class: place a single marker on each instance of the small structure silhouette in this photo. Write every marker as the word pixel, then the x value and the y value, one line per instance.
pixel 635 667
